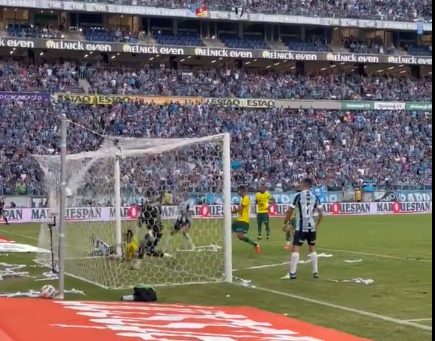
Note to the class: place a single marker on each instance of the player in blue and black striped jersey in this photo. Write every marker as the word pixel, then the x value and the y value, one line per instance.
pixel 306 204
pixel 182 224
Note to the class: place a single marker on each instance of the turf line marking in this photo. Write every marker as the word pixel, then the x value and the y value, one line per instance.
pixel 263 266
pixel 343 308
pixel 420 320
pixel 377 255
pixel 423 260
pixel 18 235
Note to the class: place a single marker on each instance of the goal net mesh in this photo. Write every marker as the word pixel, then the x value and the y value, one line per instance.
pixel 168 171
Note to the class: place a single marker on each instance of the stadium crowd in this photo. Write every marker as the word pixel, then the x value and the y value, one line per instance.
pixel 49 77
pixel 405 10
pixel 275 146
pixel 244 83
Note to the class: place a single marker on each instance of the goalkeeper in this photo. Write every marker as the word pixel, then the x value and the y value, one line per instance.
pixel 151 217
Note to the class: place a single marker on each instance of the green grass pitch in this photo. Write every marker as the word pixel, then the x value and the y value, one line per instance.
pixel 395 251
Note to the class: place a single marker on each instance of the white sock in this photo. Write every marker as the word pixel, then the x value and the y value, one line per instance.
pixel 167 242
pixel 187 236
pixel 294 262
pixel 314 262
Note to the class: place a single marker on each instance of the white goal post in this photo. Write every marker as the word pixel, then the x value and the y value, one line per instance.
pixel 92 198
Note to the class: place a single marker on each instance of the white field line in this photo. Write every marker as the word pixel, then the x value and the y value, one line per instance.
pixel 263 266
pixel 377 255
pixel 421 320
pixel 18 235
pixel 347 309
pixel 368 254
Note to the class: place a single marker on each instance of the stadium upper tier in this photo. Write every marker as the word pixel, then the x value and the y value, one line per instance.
pixel 312 42
pixel 276 146
pixel 404 10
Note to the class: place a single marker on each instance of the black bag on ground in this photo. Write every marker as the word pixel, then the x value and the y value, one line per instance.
pixel 144 293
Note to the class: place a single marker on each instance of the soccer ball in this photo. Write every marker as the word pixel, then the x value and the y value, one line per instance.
pixel 47 291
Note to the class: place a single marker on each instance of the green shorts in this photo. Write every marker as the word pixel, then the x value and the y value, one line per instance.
pixel 262 218
pixel 240 226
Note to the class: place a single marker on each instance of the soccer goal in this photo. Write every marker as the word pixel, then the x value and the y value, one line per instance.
pixel 102 192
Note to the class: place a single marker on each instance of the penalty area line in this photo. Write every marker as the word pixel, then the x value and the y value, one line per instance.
pixel 368 254
pixel 421 320
pixel 347 309
pixel 423 260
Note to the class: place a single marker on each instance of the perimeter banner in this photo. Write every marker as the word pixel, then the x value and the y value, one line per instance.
pixel 213 52
pixel 242 102
pixel 113 99
pixel 24 96
pixel 36 215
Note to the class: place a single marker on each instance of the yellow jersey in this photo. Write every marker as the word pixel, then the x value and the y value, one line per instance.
pixel 244 215
pixel 263 200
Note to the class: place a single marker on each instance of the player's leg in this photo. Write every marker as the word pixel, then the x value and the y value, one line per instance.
pixel 130 251
pixel 175 229
pixel 266 224
pixel 298 241
pixel 259 225
pixel 311 240
pixel 241 228
pixel 3 216
pixel 289 235
pixel 185 231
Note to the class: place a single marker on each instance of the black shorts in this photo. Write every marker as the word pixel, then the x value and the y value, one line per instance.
pixel 301 237
pixel 180 223
pixel 150 243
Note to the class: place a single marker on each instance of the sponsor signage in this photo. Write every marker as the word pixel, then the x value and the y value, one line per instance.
pixel 213 52
pixel 241 102
pixel 77 214
pixel 228 102
pixel 404 207
pixel 24 96
pixel 409 106
pixel 112 99
pixel 217 15
pixel 389 105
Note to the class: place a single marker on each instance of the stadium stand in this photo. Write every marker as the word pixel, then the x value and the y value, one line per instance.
pixel 390 146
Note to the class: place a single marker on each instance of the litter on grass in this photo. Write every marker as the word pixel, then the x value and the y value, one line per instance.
pixel 35 294
pixel 353 260
pixel 354 280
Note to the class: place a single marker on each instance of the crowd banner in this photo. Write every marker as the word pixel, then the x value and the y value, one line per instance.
pixel 231 102
pixel 24 96
pixel 115 8
pixel 242 102
pixel 96 214
pixel 111 99
pixel 369 105
pixel 213 52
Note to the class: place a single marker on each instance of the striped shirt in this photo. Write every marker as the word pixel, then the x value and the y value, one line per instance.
pixel 305 204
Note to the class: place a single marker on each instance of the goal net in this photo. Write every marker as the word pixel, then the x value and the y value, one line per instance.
pixel 105 192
